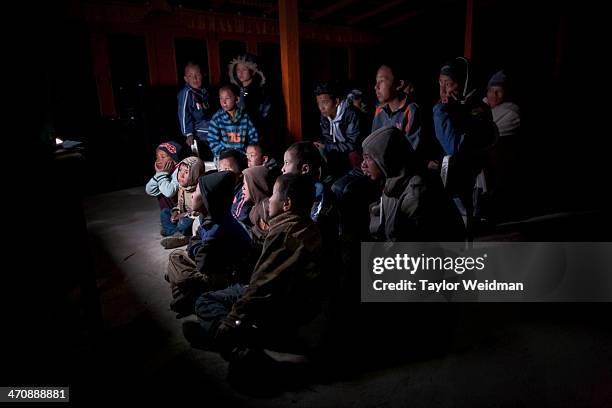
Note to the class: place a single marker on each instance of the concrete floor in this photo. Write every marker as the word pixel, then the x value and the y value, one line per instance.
pixel 141 354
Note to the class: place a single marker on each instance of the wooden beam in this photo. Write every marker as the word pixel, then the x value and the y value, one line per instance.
pixel 329 10
pixel 372 13
pixel 121 17
pixel 469 22
pixel 400 19
pixel 102 73
pixel 214 59
pixel 290 65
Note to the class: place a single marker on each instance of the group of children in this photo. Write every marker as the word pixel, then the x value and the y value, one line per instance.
pixel 267 240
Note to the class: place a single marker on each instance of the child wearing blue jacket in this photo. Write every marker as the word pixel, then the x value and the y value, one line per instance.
pixel 231 127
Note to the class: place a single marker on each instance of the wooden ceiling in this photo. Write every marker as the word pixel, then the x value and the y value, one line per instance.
pixel 361 14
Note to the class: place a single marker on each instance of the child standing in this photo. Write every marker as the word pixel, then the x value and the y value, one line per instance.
pixel 194 110
pixel 231 127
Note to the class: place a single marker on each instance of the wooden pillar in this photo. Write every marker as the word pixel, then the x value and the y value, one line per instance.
pixel 102 72
pixel 469 21
pixel 214 59
pixel 251 46
pixel 290 65
pixel 352 66
pixel 162 58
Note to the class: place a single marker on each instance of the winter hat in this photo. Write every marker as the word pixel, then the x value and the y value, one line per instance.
pixel 498 79
pixel 250 61
pixel 172 149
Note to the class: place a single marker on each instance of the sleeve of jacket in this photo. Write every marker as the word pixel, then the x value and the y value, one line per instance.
pixel 168 185
pixel 279 257
pixel 508 124
pixel 446 131
pixel 214 135
pixel 412 210
pixel 325 126
pixel 186 121
pixel 376 120
pixel 163 183
pixel 202 254
pixel 413 125
pixel 351 134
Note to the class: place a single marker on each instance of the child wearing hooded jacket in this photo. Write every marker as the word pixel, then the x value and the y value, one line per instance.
pixel 285 291
pixel 257 188
pixel 414 205
pixel 245 72
pixel 218 254
pixel 340 130
pixel 181 220
pixel 164 184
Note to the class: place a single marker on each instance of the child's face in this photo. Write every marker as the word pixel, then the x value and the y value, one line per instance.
pixel 290 164
pixel 370 168
pixel 243 73
pixel 196 200
pixel 193 77
pixel 161 156
pixel 276 204
pixel 230 164
pixel 449 89
pixel 246 193
pixel 254 156
pixel 495 95
pixel 327 105
pixel 183 175
pixel 227 100
pixel 385 85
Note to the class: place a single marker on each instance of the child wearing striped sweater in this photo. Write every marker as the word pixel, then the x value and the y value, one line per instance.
pixel 231 127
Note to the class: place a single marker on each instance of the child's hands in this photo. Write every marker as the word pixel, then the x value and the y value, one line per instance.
pixel 433 165
pixel 166 165
pixel 175 217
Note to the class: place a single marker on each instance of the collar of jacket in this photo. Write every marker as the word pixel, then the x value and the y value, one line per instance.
pixel 400 108
pixel 201 91
pixel 236 117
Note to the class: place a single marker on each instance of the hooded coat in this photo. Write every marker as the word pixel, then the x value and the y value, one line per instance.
pixel 260 181
pixel 284 292
pixel 414 205
pixel 341 133
pixel 221 245
pixel 196 170
pixel 253 97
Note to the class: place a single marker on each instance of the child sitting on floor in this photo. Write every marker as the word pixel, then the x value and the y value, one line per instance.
pixel 181 220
